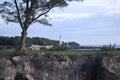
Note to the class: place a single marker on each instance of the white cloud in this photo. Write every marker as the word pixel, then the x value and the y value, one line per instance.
pixel 67 16
pixel 1 21
pixel 113 12
pixel 102 3
pixel 87 9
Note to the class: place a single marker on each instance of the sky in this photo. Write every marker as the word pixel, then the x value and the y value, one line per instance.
pixel 91 22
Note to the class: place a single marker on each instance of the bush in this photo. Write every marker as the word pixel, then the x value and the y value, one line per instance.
pixel 108 48
pixel 58 48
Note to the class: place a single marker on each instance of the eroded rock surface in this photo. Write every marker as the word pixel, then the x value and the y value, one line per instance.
pixel 57 67
pixel 110 68
pixel 7 70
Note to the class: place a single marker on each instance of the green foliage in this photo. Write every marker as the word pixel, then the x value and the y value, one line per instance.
pixel 12 53
pixel 74 57
pixel 9 40
pixel 12 42
pixel 73 54
pixel 73 45
pixel 41 41
pixel 58 48
pixel 108 47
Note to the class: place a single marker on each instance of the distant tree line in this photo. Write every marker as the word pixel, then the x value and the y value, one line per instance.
pixel 14 41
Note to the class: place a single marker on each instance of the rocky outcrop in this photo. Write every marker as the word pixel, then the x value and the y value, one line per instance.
pixel 65 68
pixel 109 68
pixel 7 70
pixel 24 68
pixel 58 67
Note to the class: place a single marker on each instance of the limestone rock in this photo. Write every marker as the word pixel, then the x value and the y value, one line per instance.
pixel 58 67
pixel 24 66
pixel 7 70
pixel 110 68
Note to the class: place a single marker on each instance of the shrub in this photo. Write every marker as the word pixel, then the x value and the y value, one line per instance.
pixel 108 48
pixel 58 48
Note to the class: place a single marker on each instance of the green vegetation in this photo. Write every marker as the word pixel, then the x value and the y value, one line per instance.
pixel 11 53
pixel 114 52
pixel 12 43
pixel 73 45
pixel 74 54
pixel 71 53
pixel 108 48
pixel 58 48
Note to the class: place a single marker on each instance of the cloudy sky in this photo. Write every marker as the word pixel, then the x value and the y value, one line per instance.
pixel 92 22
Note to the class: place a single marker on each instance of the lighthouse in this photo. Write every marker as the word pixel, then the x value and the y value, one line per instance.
pixel 60 42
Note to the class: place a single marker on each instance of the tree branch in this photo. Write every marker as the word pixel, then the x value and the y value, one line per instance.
pixel 50 5
pixel 18 13
pixel 42 14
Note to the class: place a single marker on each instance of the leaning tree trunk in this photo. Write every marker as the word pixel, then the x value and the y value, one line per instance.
pixel 23 40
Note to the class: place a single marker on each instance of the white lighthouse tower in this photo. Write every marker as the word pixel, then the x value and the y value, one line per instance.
pixel 60 42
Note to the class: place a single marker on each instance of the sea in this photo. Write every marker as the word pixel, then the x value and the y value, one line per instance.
pixel 92 47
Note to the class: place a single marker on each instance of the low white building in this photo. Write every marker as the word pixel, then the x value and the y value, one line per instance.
pixel 39 47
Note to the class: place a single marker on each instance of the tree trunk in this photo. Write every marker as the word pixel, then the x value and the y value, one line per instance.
pixel 23 40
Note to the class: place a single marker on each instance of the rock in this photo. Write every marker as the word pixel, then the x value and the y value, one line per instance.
pixel 64 68
pixel 7 70
pixel 24 67
pixel 58 67
pixel 110 68
pixel 84 66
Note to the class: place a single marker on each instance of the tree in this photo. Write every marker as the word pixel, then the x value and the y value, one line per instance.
pixel 73 45
pixel 27 12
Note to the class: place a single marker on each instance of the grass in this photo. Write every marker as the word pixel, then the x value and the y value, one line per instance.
pixel 82 52
pixel 114 52
pixel 71 52
pixel 10 53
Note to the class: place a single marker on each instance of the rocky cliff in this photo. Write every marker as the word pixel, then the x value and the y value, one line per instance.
pixel 56 67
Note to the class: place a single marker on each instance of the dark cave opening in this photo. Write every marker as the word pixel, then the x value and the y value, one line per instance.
pixel 2 79
pixel 20 76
